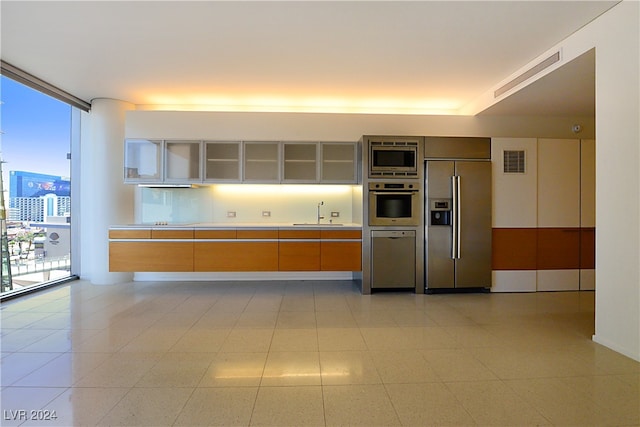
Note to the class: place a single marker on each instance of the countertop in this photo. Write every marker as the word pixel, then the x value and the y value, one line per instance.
pixel 227 225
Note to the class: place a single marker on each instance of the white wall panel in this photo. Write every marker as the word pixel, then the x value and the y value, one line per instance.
pixel 588 183
pixel 587 280
pixel 514 281
pixel 514 194
pixel 338 127
pixel 558 280
pixel 558 183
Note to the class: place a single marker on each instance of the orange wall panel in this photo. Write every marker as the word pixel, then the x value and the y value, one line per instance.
pixel 588 248
pixel 514 248
pixel 558 248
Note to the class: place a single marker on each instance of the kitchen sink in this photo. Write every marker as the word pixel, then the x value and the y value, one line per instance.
pixel 313 224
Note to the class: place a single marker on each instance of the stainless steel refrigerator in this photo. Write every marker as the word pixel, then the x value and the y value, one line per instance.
pixel 458 224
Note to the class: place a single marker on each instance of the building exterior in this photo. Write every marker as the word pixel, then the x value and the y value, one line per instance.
pixel 36 197
pixel 31 184
pixel 38 209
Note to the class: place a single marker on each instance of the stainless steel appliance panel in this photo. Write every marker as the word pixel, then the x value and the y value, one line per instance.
pixel 393 259
pixel 458 250
pixel 394 158
pixel 457 148
pixel 473 266
pixel 394 204
pixel 440 265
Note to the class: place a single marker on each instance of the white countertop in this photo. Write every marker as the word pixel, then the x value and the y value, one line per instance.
pixel 227 225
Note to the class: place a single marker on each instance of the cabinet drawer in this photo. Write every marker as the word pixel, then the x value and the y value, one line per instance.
pixel 340 256
pixel 299 234
pixel 215 234
pixel 130 234
pixel 299 256
pixel 172 234
pixel 151 256
pixel 236 256
pixel 341 234
pixel 257 234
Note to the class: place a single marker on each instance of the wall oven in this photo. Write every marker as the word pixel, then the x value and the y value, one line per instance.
pixel 394 203
pixel 393 159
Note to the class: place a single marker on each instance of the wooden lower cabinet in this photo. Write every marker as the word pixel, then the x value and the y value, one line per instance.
pixel 299 256
pixel 341 256
pixel 237 250
pixel 236 256
pixel 151 256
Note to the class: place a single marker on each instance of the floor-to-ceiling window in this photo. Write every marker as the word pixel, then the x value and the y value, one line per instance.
pixel 35 150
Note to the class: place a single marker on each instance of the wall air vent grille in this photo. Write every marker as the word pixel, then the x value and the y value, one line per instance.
pixel 514 161
pixel 394 143
pixel 527 74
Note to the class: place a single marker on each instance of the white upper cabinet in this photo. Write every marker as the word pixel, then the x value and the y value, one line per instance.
pixel 142 160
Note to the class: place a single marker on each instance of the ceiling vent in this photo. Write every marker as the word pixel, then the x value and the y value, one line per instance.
pixel 527 74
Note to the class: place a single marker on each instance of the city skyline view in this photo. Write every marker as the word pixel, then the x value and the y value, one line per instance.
pixel 34 146
pixel 35 132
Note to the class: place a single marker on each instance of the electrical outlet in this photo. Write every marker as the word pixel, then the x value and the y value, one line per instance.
pixel 335 214
pixel 266 213
pixel 231 214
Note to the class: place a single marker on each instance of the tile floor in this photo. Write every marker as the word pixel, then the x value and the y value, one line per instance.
pixel 307 353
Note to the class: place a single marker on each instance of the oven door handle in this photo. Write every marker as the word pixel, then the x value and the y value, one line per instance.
pixel 394 193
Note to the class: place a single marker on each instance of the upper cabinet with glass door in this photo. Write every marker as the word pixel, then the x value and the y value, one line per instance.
pixel 339 163
pixel 261 162
pixel 222 161
pixel 182 162
pixel 142 161
pixel 188 161
pixel 300 162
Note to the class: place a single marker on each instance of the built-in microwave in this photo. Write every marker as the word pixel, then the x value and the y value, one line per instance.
pixel 394 203
pixel 393 159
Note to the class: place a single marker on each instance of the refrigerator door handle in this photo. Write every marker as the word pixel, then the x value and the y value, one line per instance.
pixel 454 219
pixel 458 216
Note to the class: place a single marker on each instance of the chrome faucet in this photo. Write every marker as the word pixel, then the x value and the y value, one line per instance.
pixel 320 216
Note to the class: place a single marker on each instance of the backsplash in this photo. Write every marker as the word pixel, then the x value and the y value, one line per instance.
pixel 258 203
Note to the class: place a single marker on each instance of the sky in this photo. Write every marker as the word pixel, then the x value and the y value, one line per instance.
pixel 36 131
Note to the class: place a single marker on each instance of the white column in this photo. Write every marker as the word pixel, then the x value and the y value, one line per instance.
pixel 618 179
pixel 105 199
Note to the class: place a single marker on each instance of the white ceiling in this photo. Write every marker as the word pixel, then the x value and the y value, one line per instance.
pixel 362 56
